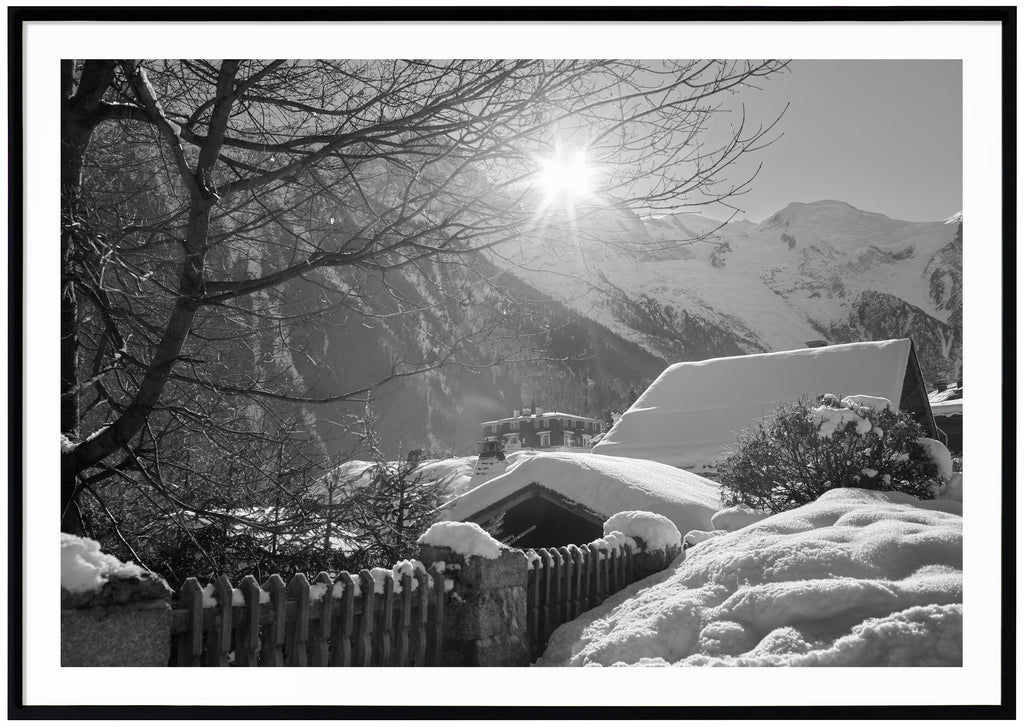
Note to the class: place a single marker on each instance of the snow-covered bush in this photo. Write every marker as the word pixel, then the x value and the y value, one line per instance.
pixel 793 456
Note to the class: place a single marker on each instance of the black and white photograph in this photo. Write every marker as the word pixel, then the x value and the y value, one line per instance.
pixel 501 361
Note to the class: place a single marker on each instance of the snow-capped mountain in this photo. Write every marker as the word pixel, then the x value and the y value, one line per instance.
pixel 606 307
pixel 685 287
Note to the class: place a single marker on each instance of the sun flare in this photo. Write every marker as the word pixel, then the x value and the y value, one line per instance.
pixel 566 177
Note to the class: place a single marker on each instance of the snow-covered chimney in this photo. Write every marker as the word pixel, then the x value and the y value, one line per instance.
pixel 940 385
pixel 515 412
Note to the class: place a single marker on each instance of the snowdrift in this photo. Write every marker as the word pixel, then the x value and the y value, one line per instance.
pixel 606 485
pixel 691 414
pixel 857 578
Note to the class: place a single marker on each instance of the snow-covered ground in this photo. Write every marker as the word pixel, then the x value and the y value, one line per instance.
pixel 605 485
pixel 857 578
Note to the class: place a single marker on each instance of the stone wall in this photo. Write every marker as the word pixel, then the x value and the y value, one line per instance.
pixel 485 612
pixel 127 622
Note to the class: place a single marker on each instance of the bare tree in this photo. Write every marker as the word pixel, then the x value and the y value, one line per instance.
pixel 205 204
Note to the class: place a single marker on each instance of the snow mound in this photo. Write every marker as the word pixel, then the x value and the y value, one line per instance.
pixel 694 537
pixel 936 451
pixel 736 517
pixel 84 567
pixel 856 578
pixel 604 485
pixel 657 531
pixel 464 538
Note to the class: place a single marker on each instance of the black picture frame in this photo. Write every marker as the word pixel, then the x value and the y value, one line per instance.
pixel 19 16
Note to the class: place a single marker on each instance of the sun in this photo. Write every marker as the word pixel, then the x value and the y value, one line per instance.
pixel 565 177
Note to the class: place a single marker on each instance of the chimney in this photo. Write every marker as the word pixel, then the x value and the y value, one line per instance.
pixel 960 383
pixel 515 412
pixel 940 384
pixel 816 344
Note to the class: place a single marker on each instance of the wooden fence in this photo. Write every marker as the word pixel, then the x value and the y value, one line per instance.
pixel 355 621
pixel 338 621
pixel 564 582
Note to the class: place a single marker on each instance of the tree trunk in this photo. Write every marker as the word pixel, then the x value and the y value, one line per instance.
pixel 75 136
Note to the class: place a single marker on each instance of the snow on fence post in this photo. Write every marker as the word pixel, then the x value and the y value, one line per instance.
pixel 485 612
pixel 121 617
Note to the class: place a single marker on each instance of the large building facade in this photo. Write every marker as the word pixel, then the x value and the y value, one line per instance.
pixel 533 429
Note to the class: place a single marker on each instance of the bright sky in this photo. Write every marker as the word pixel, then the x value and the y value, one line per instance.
pixel 884 136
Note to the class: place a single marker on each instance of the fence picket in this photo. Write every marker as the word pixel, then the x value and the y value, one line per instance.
pixel 364 635
pixel 218 642
pixel 321 633
pixel 547 563
pixel 404 622
pixel 613 571
pixel 629 565
pixel 595 558
pixel 298 634
pixel 247 647
pixel 577 581
pixel 190 643
pixel 586 579
pixel 341 633
pixel 565 612
pixel 532 600
pixel 437 626
pixel 423 603
pixel 557 576
pixel 387 620
pixel 273 633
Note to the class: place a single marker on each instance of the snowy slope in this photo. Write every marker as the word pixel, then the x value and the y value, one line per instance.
pixel 605 485
pixel 812 270
pixel 857 578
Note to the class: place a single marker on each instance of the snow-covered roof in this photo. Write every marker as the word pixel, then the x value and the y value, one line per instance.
pixel 545 415
pixel 947 402
pixel 604 485
pixel 691 414
pixel 856 578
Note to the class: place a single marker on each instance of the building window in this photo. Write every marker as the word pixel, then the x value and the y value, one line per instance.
pixel 545 439
pixel 514 425
pixel 568 439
